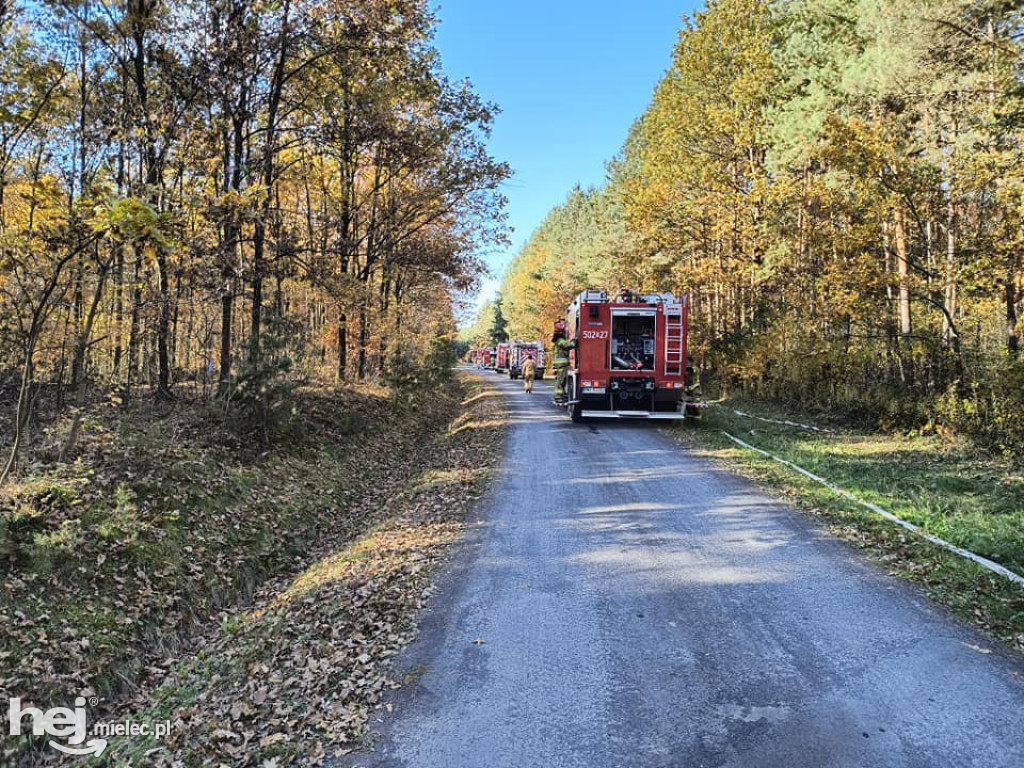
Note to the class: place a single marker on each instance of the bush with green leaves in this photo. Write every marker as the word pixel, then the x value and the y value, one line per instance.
pixel 988 408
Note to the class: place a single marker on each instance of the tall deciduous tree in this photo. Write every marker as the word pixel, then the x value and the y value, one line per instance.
pixel 253 173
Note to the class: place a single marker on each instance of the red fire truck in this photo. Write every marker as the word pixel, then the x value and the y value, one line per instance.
pixel 503 357
pixel 630 355
pixel 481 357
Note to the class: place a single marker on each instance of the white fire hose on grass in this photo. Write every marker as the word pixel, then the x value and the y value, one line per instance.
pixel 982 561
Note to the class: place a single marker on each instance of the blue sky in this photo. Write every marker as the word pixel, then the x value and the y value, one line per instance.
pixel 570 77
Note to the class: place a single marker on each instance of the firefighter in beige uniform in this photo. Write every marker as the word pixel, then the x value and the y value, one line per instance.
pixel 529 370
pixel 561 347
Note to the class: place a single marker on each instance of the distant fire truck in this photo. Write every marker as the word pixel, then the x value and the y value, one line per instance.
pixel 521 350
pixel 504 350
pixel 630 355
pixel 481 357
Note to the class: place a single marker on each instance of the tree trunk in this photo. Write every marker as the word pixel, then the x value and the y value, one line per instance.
pixel 364 339
pixel 949 299
pixel 21 413
pixel 133 328
pixel 267 176
pixel 227 302
pixel 1012 340
pixel 256 310
pixel 903 274
pixel 163 387
pixel 172 352
pixel 342 345
pixel 118 312
pixel 85 333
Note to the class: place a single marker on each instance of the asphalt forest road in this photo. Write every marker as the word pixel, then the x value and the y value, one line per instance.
pixel 621 602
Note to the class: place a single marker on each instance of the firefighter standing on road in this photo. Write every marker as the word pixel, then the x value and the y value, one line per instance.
pixel 529 370
pixel 561 347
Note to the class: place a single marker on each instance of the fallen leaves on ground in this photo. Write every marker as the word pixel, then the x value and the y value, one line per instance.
pixel 292 673
pixel 297 677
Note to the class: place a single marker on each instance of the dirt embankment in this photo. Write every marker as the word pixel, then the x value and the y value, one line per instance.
pixel 250 598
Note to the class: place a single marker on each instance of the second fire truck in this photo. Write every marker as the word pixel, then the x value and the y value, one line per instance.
pixel 502 356
pixel 521 350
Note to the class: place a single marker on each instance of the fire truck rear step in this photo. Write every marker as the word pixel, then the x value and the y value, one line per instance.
pixel 633 415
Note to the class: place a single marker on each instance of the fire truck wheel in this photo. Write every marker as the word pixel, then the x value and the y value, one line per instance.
pixel 576 409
